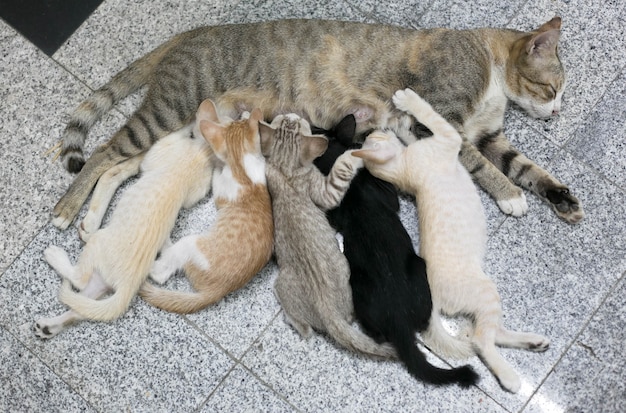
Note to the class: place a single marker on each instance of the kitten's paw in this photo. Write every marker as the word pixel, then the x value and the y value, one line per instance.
pixel 44 328
pixel 56 257
pixel 61 222
pixel 357 163
pixel 510 381
pixel 403 99
pixel 566 205
pixel 161 271
pixel 514 206
pixel 538 343
pixel 88 226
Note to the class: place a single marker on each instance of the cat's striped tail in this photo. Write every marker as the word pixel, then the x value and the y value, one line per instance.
pixel 441 342
pixel 355 340
pixel 179 301
pixel 102 100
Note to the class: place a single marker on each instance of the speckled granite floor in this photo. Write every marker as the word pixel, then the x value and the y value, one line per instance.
pixel 564 281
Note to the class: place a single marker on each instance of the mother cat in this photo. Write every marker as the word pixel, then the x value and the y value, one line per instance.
pixel 324 70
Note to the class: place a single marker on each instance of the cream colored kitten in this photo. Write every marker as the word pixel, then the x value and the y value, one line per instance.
pixel 176 173
pixel 452 232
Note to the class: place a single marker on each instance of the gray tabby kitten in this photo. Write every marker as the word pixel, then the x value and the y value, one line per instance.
pixel 325 70
pixel 313 281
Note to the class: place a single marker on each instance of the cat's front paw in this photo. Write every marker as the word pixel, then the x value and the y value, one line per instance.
pixel 44 328
pixel 566 205
pixel 516 206
pixel 161 271
pixel 403 99
pixel 356 162
pixel 88 226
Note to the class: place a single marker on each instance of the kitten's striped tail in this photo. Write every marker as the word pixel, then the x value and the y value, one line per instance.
pixel 179 301
pixel 102 100
pixel 355 340
pixel 441 342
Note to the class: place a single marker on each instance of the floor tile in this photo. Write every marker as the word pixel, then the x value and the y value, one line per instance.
pixel 468 15
pixel 315 375
pixel 590 377
pixel 241 391
pixel 35 103
pixel 28 385
pixel 146 360
pixel 402 13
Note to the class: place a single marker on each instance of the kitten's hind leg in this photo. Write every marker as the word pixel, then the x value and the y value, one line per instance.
pixel 527 341
pixel 175 256
pixel 484 345
pixel 60 262
pixel 103 193
pixel 50 327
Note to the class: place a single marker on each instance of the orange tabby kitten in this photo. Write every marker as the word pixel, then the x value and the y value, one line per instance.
pixel 240 241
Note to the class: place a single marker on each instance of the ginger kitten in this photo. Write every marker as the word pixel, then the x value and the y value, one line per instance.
pixel 240 241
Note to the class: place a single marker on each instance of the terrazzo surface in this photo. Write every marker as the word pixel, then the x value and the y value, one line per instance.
pixel 563 281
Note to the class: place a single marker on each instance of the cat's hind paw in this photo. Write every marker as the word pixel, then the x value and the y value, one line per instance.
pixel 44 328
pixel 566 205
pixel 161 271
pixel 514 206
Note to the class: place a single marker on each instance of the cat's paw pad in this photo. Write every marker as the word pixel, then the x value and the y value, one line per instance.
pixel 510 381
pixel 538 344
pixel 43 328
pixel 514 206
pixel 566 205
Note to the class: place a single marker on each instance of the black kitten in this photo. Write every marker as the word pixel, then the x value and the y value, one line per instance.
pixel 390 290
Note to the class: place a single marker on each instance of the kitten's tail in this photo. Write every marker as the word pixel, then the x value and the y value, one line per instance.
pixel 102 100
pixel 441 342
pixel 107 309
pixel 179 301
pixel 353 339
pixel 416 363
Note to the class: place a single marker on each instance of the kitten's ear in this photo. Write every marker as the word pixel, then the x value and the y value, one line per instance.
pixel 214 135
pixel 267 134
pixel 345 130
pixel 312 147
pixel 543 43
pixel 207 111
pixel 376 150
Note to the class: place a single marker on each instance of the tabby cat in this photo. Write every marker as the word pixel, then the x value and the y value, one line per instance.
pixel 239 243
pixel 324 70
pixel 312 284
pixel 175 173
pixel 389 286
pixel 452 229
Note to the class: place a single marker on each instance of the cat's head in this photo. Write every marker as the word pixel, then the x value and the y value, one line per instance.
pixel 237 144
pixel 340 139
pixel 289 143
pixel 382 155
pixel 535 78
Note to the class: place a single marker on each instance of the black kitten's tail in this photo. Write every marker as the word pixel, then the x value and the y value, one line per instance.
pixel 416 363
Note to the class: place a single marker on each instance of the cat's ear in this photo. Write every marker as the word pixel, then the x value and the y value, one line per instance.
pixel 376 150
pixel 312 147
pixel 543 43
pixel 267 133
pixel 207 111
pixel 214 135
pixel 345 130
pixel 553 24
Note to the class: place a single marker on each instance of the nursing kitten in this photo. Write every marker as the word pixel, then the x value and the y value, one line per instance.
pixel 312 284
pixel 239 243
pixel 175 173
pixel 452 230
pixel 324 70
pixel 389 286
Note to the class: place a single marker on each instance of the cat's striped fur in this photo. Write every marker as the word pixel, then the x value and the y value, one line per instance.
pixel 312 285
pixel 324 70
pixel 453 232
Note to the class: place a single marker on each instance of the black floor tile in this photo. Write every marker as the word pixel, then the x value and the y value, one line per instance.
pixel 47 23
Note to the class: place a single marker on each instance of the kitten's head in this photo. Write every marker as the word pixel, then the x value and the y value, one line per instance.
pixel 340 139
pixel 382 155
pixel 290 144
pixel 535 78
pixel 237 144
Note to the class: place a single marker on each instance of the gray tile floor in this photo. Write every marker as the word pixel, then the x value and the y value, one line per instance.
pixel 564 281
